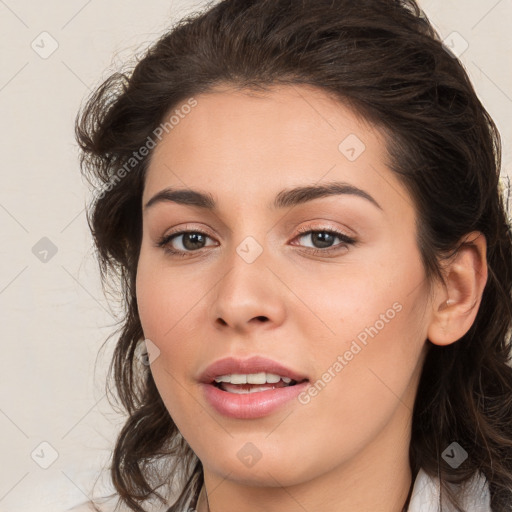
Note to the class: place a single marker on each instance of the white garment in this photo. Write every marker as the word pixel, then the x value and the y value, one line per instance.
pixel 424 498
pixel 426 490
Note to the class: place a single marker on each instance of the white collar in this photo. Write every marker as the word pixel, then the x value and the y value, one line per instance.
pixel 426 491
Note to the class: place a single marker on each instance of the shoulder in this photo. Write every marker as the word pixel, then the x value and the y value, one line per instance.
pixel 426 495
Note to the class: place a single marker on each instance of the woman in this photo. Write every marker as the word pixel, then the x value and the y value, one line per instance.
pixel 301 199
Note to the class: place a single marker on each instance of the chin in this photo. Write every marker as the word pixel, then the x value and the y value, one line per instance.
pixel 281 468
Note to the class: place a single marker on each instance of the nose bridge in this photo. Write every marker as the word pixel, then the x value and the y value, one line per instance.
pixel 245 292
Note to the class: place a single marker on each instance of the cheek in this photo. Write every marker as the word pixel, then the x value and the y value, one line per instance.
pixel 356 304
pixel 375 328
pixel 168 310
pixel 148 296
pixel 163 298
pixel 362 387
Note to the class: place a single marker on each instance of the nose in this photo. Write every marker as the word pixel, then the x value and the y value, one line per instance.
pixel 247 297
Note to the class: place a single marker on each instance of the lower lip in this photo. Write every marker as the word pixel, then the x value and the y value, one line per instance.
pixel 251 405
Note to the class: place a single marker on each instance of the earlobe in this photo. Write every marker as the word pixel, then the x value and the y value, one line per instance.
pixel 457 300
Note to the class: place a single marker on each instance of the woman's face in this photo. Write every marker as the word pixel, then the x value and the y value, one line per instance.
pixel 344 306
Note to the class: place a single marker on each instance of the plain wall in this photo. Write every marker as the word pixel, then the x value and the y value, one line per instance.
pixel 54 316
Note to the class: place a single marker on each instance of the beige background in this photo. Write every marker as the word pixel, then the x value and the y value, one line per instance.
pixel 53 314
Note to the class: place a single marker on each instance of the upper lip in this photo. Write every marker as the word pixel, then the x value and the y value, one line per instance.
pixel 255 364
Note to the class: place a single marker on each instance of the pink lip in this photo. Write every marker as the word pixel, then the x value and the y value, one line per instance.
pixel 254 364
pixel 249 405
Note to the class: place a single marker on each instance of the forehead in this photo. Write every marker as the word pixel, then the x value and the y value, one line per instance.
pixel 244 151
pixel 232 131
pixel 250 142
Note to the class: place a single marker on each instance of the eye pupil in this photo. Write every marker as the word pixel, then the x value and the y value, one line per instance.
pixel 191 239
pixel 325 239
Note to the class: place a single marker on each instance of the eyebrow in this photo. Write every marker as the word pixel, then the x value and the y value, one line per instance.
pixel 284 199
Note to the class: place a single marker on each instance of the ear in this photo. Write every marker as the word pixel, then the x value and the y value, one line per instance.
pixel 458 299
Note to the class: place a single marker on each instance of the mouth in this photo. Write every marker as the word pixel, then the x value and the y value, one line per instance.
pixel 251 388
pixel 252 401
pixel 253 383
pixel 256 370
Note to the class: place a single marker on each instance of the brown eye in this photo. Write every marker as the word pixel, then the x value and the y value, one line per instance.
pixel 323 239
pixel 184 242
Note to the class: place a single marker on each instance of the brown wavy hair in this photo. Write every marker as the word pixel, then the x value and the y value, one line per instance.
pixel 384 59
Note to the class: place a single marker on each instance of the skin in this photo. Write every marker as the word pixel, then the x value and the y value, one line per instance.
pixel 347 449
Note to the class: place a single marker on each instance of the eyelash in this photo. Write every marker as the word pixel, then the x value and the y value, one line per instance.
pixel 345 241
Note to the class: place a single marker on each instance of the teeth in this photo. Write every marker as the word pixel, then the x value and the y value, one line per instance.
pixel 252 378
pixel 253 390
pixel 257 378
pixel 237 378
